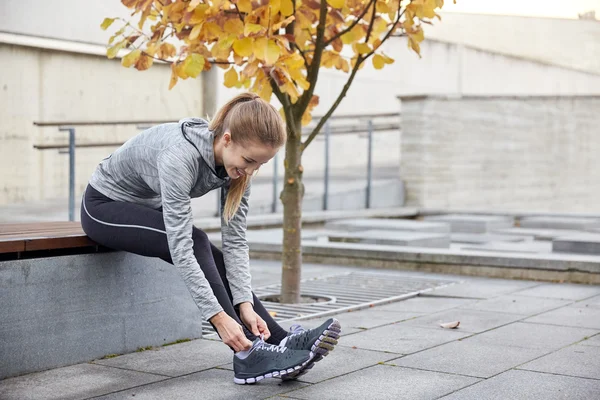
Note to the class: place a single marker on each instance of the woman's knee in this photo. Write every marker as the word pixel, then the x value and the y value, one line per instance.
pixel 199 236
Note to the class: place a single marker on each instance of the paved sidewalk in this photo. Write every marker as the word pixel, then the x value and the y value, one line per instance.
pixel 516 340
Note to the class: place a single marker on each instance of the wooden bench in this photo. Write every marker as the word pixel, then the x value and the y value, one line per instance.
pixel 18 240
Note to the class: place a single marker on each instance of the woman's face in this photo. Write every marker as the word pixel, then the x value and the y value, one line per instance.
pixel 244 159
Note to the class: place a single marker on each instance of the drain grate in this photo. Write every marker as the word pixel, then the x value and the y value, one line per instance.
pixel 348 291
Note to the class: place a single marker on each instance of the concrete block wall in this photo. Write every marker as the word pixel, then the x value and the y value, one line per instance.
pixel 71 309
pixel 504 152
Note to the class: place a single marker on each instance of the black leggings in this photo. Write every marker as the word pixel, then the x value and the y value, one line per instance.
pixel 113 224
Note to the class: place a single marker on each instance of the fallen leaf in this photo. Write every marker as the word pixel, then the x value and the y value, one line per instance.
pixel 450 325
pixel 273 313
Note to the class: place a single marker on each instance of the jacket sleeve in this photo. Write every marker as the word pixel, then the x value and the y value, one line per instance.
pixel 177 171
pixel 235 250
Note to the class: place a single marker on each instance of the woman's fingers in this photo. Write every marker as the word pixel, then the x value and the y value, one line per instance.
pixel 253 323
pixel 245 343
pixel 233 335
pixel 263 328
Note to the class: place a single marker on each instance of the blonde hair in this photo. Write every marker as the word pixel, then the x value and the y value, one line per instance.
pixel 248 118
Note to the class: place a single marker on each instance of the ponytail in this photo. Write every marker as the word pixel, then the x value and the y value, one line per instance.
pixel 247 118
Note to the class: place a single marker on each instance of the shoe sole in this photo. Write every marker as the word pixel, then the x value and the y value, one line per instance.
pixel 321 348
pixel 282 373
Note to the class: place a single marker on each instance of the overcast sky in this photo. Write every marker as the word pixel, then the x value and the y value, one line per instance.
pixel 539 8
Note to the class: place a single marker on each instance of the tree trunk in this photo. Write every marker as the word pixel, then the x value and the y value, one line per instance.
pixel 291 197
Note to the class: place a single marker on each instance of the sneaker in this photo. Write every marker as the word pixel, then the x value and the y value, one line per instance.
pixel 264 360
pixel 319 341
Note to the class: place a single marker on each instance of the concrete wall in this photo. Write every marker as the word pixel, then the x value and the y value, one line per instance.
pixel 447 68
pixel 72 20
pixel 72 309
pixel 506 153
pixel 45 85
pixel 570 43
pixel 444 69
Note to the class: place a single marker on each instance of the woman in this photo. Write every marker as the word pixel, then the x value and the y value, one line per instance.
pixel 138 200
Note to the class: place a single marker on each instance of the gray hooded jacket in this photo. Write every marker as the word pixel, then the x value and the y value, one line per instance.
pixel 166 166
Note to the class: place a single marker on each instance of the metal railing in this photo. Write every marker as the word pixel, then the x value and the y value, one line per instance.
pixel 365 124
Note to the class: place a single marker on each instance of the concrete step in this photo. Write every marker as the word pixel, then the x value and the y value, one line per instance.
pixel 466 223
pixel 481 238
pixel 548 222
pixel 393 238
pixel 583 243
pixel 353 225
pixel 537 234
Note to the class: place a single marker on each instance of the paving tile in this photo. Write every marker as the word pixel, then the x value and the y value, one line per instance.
pixel 425 304
pixel 340 361
pixel 570 316
pixel 469 358
pixel 591 341
pixel 470 320
pixel 343 360
pixel 371 318
pixel 175 360
pixel 521 305
pixel 533 336
pixel 79 381
pixel 528 385
pixel 401 338
pixel 359 321
pixel 385 382
pixel 483 288
pixel 593 302
pixel 561 291
pixel 577 360
pixel 213 384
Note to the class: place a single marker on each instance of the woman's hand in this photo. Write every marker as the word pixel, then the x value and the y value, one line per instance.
pixel 253 321
pixel 231 333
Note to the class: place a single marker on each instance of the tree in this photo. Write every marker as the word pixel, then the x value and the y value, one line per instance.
pixel 272 48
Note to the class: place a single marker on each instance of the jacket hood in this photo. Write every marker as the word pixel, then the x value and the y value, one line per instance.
pixel 196 130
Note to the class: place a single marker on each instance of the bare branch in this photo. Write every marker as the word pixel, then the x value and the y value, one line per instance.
pixel 301 53
pixel 342 94
pixel 282 97
pixel 335 105
pixel 238 12
pixel 352 25
pixel 370 29
pixel 393 28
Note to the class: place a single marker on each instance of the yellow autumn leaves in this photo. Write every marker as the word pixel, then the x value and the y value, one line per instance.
pixel 266 45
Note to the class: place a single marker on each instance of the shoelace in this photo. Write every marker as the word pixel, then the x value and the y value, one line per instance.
pixel 296 330
pixel 269 347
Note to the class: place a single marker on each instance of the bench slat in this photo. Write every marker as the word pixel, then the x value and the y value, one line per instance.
pixel 58 243
pixel 45 227
pixel 42 236
pixel 12 246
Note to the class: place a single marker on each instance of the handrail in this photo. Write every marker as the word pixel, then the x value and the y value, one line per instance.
pixel 146 122
pixel 99 123
pixel 337 130
pixel 329 128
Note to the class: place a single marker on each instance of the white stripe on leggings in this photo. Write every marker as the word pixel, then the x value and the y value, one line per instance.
pixel 118 225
